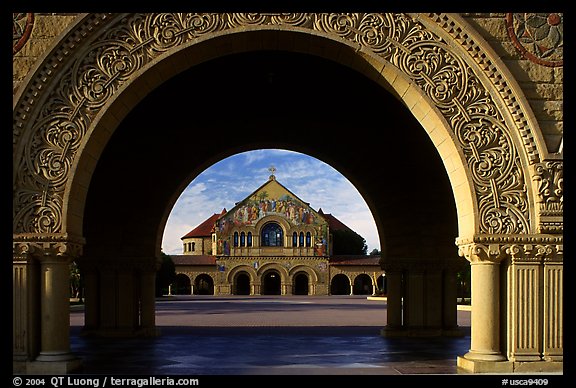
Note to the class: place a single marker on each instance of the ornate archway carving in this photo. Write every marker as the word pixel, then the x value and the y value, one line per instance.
pixel 102 52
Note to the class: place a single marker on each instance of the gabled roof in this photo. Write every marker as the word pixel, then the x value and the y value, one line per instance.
pixel 333 222
pixel 205 229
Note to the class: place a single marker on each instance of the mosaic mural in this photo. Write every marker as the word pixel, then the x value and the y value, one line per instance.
pixel 272 199
pixel 539 37
pixel 21 29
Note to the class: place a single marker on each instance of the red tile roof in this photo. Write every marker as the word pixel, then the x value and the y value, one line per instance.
pixel 355 260
pixel 193 259
pixel 204 229
pixel 333 222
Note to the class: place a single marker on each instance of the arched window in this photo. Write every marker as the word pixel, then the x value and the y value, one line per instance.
pixel 249 242
pixel 235 239
pixel 193 246
pixel 242 239
pixel 301 239
pixel 294 239
pixel 272 235
pixel 308 239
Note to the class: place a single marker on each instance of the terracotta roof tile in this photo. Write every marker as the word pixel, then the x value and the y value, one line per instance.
pixel 193 259
pixel 333 222
pixel 204 229
pixel 355 260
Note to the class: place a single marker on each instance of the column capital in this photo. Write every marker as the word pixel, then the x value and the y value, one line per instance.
pixel 535 253
pixel 47 246
pixel 482 253
pixel 519 248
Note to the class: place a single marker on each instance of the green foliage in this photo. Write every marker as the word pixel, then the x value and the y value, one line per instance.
pixel 348 242
pixel 165 276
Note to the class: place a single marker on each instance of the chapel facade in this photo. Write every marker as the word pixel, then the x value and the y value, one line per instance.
pixel 272 243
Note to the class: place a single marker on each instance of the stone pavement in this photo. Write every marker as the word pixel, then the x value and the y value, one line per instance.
pixel 269 335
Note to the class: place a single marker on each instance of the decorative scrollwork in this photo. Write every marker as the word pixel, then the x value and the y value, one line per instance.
pixel 549 177
pixel 124 47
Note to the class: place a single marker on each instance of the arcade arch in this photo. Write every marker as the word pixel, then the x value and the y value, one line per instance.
pixel 73 121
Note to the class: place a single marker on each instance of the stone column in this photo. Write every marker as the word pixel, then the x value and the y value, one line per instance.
pixel 485 261
pixel 394 302
pixel 535 283
pixel 25 304
pixel 91 296
pixel 450 303
pixel 525 285
pixel 147 301
pixel 55 311
pixel 414 300
pixel 553 317
pixel 55 355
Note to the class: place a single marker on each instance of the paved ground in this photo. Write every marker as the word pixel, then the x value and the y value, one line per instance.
pixel 269 335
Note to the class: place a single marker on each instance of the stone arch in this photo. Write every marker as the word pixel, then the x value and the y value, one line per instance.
pixel 304 268
pixel 183 284
pixel 401 70
pixel 340 284
pixel 241 268
pixel 508 188
pixel 284 275
pixel 363 284
pixel 203 284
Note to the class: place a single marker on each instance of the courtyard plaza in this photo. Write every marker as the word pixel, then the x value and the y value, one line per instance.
pixel 269 335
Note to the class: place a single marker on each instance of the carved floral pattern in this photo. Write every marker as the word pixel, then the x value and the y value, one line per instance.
pixel 131 42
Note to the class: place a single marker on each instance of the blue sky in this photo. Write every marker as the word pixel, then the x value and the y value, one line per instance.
pixel 234 178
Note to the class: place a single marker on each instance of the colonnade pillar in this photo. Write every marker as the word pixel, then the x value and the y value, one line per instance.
pixel 421 296
pixel 393 301
pixel 485 315
pixel 516 282
pixel 119 296
pixel 42 304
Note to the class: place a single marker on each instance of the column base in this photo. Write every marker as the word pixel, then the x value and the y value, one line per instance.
pixel 56 366
pixel 466 365
pixel 421 332
pixel 484 356
pixel 121 333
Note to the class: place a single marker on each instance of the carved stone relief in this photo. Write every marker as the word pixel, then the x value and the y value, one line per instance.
pixel 46 143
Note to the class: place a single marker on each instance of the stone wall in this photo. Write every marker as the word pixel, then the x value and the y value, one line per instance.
pixel 540 74
pixel 34 35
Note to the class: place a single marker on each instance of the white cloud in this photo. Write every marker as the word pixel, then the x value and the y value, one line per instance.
pixel 234 178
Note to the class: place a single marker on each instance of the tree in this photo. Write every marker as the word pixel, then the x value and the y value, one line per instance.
pixel 348 242
pixel 375 252
pixel 165 276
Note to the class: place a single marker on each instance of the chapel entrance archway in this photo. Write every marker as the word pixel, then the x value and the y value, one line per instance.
pixel 271 283
pixel 81 158
pixel 242 284
pixel 301 284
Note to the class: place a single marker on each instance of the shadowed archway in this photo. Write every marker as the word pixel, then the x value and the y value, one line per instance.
pixel 95 157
